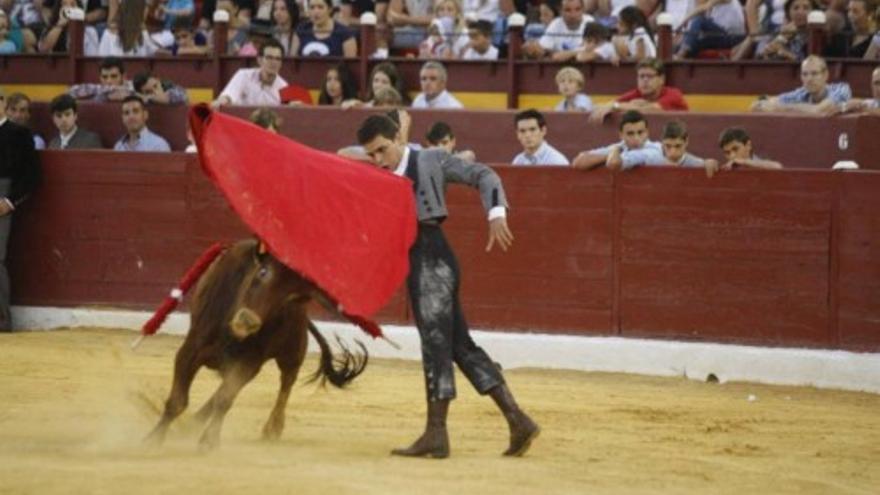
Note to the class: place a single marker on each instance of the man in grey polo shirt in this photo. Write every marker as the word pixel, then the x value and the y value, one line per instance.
pixel 434 95
pixel 815 96
pixel 137 137
pixel 531 131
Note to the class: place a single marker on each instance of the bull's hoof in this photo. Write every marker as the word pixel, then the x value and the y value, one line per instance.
pixel 154 439
pixel 208 443
pixel 272 432
pixel 521 437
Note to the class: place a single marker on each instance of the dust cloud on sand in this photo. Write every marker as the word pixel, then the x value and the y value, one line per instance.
pixel 77 403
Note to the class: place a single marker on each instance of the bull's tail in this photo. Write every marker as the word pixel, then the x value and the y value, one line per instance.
pixel 338 370
pixel 176 296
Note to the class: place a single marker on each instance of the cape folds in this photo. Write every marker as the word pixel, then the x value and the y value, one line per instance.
pixel 344 225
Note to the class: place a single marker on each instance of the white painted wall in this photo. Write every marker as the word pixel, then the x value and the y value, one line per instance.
pixel 782 366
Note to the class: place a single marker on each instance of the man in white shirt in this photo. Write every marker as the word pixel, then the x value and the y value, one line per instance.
pixel 564 35
pixel 257 87
pixel 432 77
pixel 480 46
pixel 531 131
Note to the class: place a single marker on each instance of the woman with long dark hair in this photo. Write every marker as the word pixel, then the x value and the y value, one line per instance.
pixel 638 39
pixel 339 86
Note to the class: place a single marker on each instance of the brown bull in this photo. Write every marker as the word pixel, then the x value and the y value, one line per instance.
pixel 249 308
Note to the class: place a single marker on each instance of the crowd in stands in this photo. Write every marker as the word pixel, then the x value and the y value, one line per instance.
pixel 262 86
pixel 576 30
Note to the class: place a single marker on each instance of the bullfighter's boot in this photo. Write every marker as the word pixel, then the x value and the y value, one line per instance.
pixel 522 429
pixel 434 442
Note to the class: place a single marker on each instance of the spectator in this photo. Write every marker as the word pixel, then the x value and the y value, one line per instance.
pixel 259 31
pixel 868 105
pixel 570 82
pixel 607 11
pixel 564 35
pixel 449 11
pixel 187 41
pixel 409 20
pixel 385 74
pixel 815 96
pixel 531 131
pixel 597 45
pixel 633 137
pixel 112 85
pixel 482 10
pixel 173 10
pixel 434 94
pixel 854 44
pixel 387 97
pixel 737 147
pixel 480 46
pixel 7 44
pixel 651 93
pixel 790 40
pixel 674 152
pixel 256 87
pixel 440 135
pixel 338 86
pixel 237 29
pixel 285 16
pixel 637 40
pixel 873 52
pixel 70 135
pixel 151 89
pixel 129 36
pixel 267 119
pixel 438 42
pixel 54 39
pixel 322 36
pixel 18 110
pixel 351 10
pixel 714 24
pixel 547 11
pixel 138 137
pixel 20 175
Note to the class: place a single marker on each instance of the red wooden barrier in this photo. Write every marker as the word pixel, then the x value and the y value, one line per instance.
pixel 772 258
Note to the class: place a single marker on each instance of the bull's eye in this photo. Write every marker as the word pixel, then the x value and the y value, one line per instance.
pixel 264 272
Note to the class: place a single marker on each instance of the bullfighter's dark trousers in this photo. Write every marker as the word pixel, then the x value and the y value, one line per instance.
pixel 433 289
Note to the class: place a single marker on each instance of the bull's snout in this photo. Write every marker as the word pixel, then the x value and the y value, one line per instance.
pixel 245 323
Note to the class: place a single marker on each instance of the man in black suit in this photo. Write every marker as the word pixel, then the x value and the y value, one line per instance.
pixel 433 283
pixel 64 116
pixel 19 176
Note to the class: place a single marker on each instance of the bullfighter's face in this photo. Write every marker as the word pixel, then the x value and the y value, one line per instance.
pixel 384 153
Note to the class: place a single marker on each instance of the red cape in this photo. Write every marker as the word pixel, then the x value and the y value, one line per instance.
pixel 344 225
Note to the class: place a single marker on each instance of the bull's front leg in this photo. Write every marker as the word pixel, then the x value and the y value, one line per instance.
pixel 185 368
pixel 275 424
pixel 233 381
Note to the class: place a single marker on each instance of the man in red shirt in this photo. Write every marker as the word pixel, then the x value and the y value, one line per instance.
pixel 651 93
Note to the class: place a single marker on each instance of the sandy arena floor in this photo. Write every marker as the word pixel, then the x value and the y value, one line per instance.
pixel 77 403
